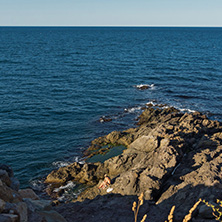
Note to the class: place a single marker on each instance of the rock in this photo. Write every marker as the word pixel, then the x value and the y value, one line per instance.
pixel 143 87
pixel 2 205
pixel 145 144
pixel 38 205
pixel 10 217
pixel 114 137
pixel 205 212
pixel 15 184
pixel 206 142
pixel 28 193
pixel 8 169
pixel 52 216
pixel 19 208
pixel 4 218
pixel 58 177
pixel 35 217
pixel 174 158
pixel 9 206
pixel 109 208
pixel 22 211
pixel 41 211
pixel 6 193
pixel 4 177
pixel 104 119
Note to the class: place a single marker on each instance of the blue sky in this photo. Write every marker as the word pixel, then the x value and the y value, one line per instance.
pixel 111 13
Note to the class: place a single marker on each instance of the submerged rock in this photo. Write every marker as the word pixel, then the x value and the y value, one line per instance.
pixel 104 119
pixel 144 86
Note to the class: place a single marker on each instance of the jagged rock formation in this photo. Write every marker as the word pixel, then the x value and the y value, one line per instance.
pixel 22 205
pixel 172 157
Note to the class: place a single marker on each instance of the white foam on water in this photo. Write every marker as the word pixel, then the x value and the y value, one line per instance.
pixel 69 194
pixel 159 105
pixel 60 163
pixel 69 185
pixel 141 85
pixel 151 103
pixel 133 109
pixel 37 184
pixel 165 107
pixel 187 110
pixel 79 160
pixel 152 86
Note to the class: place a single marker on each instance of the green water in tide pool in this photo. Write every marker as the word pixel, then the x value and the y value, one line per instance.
pixel 114 151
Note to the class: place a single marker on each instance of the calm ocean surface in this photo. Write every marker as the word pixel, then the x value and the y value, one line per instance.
pixel 55 84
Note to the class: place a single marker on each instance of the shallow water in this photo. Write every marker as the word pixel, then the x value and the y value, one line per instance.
pixel 114 151
pixel 55 84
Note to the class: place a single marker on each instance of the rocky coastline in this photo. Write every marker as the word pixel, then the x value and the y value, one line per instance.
pixel 174 158
pixel 23 205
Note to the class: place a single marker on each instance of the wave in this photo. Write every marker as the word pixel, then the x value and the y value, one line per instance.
pixel 133 109
pixel 59 164
pixel 164 106
pixel 158 105
pixel 186 110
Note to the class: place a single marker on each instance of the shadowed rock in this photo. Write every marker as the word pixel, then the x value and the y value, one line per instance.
pixel 22 205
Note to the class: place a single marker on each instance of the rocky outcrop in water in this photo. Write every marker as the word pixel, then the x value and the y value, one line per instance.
pixel 174 158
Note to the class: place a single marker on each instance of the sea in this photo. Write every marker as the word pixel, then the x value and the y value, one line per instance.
pixel 57 84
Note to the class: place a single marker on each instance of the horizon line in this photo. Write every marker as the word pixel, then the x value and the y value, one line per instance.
pixel 115 26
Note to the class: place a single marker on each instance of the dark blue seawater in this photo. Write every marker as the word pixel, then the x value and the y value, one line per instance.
pixel 55 84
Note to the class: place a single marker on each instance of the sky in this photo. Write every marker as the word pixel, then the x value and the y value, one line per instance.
pixel 111 13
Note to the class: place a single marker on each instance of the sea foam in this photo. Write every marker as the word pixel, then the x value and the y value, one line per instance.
pixel 133 109
pixel 69 185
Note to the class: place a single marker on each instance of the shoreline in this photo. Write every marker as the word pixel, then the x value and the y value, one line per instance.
pixel 173 158
pixel 103 144
pixel 169 156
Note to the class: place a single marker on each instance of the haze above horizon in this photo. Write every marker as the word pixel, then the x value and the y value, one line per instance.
pixel 198 13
